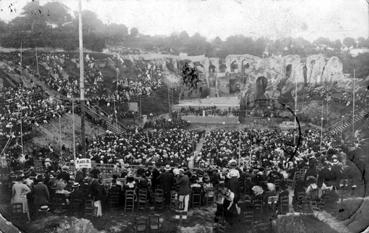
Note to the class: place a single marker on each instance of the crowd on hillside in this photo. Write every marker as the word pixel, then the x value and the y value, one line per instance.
pixel 24 107
pixel 144 77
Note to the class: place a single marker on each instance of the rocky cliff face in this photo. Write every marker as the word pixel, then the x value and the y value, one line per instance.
pixel 282 73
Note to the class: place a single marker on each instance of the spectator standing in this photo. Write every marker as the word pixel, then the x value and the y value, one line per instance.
pixel 183 190
pixel 19 195
pixel 40 193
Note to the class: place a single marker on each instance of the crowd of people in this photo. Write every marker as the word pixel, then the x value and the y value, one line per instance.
pixel 209 111
pixel 162 146
pixel 231 167
pixel 25 107
pixel 146 77
pixel 152 159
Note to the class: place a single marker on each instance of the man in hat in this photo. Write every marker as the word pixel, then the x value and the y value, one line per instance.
pixel 40 193
pixel 166 181
pixel 183 190
pixel 64 174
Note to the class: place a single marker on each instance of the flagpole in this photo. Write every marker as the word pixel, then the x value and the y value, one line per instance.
pixel 239 149
pixel 321 125
pixel 21 124
pixel 295 123
pixel 21 72
pixel 353 103
pixel 81 80
pixel 74 132
pixel 60 134
pixel 115 108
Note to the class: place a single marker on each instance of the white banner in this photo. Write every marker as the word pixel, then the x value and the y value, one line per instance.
pixel 83 163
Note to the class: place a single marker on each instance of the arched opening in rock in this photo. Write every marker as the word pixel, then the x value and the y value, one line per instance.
pixel 304 72
pixel 261 85
pixel 211 68
pixel 222 68
pixel 245 66
pixel 288 71
pixel 234 67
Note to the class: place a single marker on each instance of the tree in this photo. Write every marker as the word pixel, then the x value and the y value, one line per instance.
pixel 116 32
pixel 32 18
pixel 57 13
pixel 322 41
pixel 91 23
pixel 337 44
pixel 349 42
pixel 3 27
pixel 362 42
pixel 133 32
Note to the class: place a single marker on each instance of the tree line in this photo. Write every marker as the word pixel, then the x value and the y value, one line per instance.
pixel 54 25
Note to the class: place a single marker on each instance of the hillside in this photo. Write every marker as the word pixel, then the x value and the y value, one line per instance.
pixel 50 133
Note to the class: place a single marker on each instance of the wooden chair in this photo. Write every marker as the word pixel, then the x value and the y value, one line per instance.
pixel 115 197
pixel 59 204
pixel 142 199
pixel 140 224
pixel 196 197
pixel 174 202
pixel 129 200
pixel 76 205
pixel 154 223
pixel 263 227
pixel 283 204
pixel 248 217
pixel 90 210
pixel 159 198
pixel 209 196
pixel 306 206
pixel 220 226
pixel 258 206
pixel 17 213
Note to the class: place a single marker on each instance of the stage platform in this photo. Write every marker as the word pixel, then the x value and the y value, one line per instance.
pixel 220 102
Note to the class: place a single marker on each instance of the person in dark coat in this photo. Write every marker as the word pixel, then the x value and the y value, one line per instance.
pixel 98 194
pixel 154 177
pixel 64 174
pixel 166 181
pixel 183 190
pixel 40 193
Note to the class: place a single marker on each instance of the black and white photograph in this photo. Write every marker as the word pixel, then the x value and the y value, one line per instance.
pixel 184 116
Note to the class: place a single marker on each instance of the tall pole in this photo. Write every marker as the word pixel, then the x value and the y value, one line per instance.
pixel 295 123
pixel 169 110
pixel 21 60
pixel 74 132
pixel 353 103
pixel 21 125
pixel 60 135
pixel 115 99
pixel 37 69
pixel 321 125
pixel 239 149
pixel 81 81
pixel 140 106
pixel 21 72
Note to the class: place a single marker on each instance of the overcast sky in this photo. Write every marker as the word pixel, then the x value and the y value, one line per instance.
pixel 310 19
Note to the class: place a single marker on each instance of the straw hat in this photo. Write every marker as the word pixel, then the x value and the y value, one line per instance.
pixel 167 167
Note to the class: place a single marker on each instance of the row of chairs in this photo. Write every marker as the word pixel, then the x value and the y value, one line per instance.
pixel 272 204
pixel 153 223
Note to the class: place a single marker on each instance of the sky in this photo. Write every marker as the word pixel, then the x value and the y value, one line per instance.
pixel 310 19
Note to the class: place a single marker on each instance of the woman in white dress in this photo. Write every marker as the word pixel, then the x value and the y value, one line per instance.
pixel 19 195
